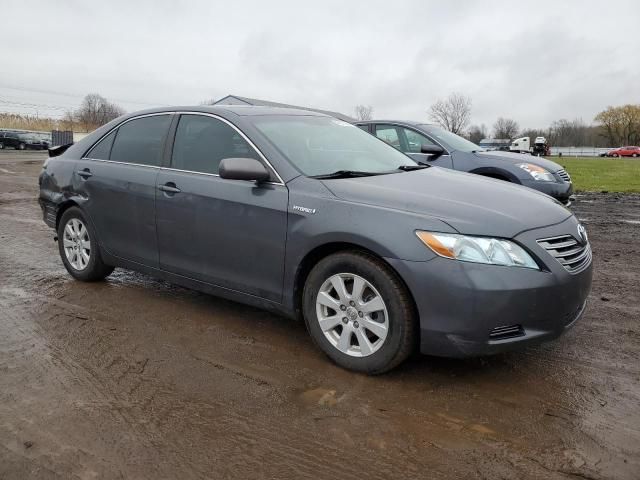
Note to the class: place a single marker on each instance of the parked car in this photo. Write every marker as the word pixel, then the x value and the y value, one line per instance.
pixel 433 145
pixel 21 141
pixel 629 151
pixel 309 216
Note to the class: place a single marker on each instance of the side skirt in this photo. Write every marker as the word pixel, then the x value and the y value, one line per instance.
pixel 198 285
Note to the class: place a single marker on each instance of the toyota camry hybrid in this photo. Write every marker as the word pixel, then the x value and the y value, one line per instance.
pixel 311 217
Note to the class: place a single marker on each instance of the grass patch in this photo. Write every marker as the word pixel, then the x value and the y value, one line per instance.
pixel 602 174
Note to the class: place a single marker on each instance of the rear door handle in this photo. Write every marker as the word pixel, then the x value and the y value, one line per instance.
pixel 85 173
pixel 169 187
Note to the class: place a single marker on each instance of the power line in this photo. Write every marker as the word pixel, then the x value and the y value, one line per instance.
pixel 72 95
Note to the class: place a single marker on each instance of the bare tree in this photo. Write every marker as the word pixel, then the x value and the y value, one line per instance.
pixel 505 128
pixel 477 133
pixel 452 113
pixel 95 110
pixel 364 112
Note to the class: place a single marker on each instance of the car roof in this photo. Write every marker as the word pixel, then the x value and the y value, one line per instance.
pixel 240 110
pixel 412 123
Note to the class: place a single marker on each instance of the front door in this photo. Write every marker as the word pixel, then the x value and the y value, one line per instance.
pixel 228 233
pixel 118 179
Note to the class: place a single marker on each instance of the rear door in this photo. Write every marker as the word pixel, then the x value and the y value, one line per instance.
pixel 228 233
pixel 118 178
pixel 410 141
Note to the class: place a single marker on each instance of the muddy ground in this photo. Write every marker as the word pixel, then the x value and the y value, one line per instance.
pixel 136 378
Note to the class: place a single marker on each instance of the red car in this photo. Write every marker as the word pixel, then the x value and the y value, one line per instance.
pixel 624 152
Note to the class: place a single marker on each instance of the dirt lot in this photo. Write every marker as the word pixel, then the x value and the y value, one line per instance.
pixel 136 378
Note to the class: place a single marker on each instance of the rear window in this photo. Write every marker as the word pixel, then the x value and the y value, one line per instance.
pixel 141 140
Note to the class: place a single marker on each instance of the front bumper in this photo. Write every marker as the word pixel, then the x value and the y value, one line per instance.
pixel 462 305
pixel 561 191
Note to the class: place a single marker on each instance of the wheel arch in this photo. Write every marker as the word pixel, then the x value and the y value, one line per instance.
pixel 497 173
pixel 63 207
pixel 322 251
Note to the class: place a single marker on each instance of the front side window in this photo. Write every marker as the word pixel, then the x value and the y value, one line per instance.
pixel 141 140
pixel 415 140
pixel 202 142
pixel 322 145
pixel 102 149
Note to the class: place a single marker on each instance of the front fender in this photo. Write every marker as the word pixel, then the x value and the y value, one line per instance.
pixel 328 220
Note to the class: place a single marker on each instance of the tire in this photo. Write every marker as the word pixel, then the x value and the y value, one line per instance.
pixel 75 232
pixel 1 146
pixel 20 146
pixel 376 354
pixel 614 155
pixel 635 155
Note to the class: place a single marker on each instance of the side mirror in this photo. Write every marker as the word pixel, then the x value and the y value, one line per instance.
pixel 243 169
pixel 434 150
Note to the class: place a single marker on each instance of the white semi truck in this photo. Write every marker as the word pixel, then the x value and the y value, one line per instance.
pixel 540 146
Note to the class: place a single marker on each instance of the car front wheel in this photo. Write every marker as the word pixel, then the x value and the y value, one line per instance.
pixel 78 246
pixel 635 155
pixel 359 313
pixel 614 155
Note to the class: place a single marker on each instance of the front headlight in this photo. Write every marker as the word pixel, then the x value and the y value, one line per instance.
pixel 493 251
pixel 538 173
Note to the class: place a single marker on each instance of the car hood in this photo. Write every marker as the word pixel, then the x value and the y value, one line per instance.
pixel 515 158
pixel 469 203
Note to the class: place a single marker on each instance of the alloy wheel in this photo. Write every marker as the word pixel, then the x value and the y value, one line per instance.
pixel 352 314
pixel 76 243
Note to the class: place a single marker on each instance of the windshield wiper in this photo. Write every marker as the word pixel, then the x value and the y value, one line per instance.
pixel 346 174
pixel 409 168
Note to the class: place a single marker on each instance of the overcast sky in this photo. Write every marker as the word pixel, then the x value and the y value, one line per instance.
pixel 531 61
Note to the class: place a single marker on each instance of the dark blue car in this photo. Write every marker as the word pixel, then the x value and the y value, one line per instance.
pixel 433 145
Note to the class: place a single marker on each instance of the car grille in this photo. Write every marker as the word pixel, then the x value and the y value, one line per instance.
pixel 564 175
pixel 571 254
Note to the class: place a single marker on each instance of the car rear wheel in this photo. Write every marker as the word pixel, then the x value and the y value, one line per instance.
pixel 1 146
pixel 635 155
pixel 359 313
pixel 20 146
pixel 614 154
pixel 78 246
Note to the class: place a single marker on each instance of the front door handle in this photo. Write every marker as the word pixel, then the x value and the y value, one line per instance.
pixel 169 187
pixel 85 173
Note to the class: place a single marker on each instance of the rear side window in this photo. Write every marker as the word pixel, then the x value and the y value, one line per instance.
pixel 389 134
pixel 202 142
pixel 102 149
pixel 141 140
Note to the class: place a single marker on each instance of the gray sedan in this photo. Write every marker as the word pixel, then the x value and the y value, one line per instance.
pixel 311 217
pixel 435 146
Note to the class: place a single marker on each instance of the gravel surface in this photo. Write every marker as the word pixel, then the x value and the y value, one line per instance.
pixel 137 378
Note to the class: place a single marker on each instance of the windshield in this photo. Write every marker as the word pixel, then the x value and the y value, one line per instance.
pixel 323 145
pixel 449 140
